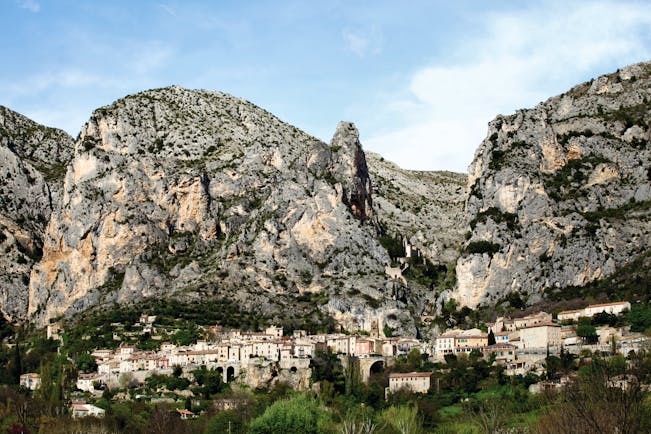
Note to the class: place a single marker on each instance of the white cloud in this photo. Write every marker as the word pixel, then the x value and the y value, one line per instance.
pixel 30 5
pixel 520 59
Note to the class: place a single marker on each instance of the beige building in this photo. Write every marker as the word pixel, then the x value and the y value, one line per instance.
pixel 473 338
pixel 274 331
pixel 570 315
pixel 540 336
pixel 532 320
pixel 503 352
pixel 417 382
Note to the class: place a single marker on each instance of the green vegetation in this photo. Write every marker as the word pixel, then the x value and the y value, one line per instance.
pixel 497 160
pixel 567 182
pixel 297 415
pixel 630 282
pixel 629 116
pixel 482 247
pixel 621 212
pixel 498 216
pixel 429 275
pixel 393 245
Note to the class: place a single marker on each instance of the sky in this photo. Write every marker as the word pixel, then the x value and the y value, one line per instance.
pixel 420 79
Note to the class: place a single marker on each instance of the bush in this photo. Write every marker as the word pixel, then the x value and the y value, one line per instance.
pixel 482 247
pixel 297 415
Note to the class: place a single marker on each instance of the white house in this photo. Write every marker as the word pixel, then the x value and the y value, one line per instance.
pixel 85 381
pixel 83 410
pixel 615 308
pixel 445 342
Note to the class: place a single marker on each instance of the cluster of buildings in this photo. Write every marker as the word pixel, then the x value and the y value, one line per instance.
pixel 230 351
pixel 521 344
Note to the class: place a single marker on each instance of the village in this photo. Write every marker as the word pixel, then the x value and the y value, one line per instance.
pixel 261 359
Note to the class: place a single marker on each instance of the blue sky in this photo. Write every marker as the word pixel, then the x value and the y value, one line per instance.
pixel 421 79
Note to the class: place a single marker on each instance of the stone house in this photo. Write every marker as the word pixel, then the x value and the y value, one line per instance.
pixel 417 382
pixel 85 381
pixel 540 336
pixel 503 352
pixel 364 347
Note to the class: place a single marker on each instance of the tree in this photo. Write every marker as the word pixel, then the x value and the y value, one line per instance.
pixel 327 366
pixel 403 419
pixel 86 363
pixel 491 338
pixel 552 366
pixel 223 422
pixel 591 404
pixel 587 332
pixel 490 413
pixel 299 415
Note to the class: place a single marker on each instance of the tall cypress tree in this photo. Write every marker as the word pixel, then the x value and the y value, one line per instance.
pixel 491 338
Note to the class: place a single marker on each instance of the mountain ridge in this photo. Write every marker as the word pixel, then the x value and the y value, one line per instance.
pixel 195 194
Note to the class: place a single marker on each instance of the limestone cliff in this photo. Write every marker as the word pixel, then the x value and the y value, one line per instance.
pixel 193 194
pixel 197 193
pixel 559 194
pixel 425 208
pixel 33 162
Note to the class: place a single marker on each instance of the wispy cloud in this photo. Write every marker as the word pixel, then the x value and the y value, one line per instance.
pixel 30 5
pixel 362 42
pixel 520 59
pixel 167 8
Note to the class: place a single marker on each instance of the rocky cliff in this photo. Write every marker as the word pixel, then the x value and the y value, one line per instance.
pixel 33 161
pixel 193 194
pixel 559 195
pixel 176 193
pixel 425 208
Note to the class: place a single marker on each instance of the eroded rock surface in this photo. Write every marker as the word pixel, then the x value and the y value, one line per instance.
pixel 559 194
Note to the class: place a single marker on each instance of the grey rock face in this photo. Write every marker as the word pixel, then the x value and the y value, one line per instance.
pixel 559 194
pixel 426 208
pixel 198 193
pixel 33 161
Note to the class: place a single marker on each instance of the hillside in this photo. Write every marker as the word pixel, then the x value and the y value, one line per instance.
pixel 33 162
pixel 560 195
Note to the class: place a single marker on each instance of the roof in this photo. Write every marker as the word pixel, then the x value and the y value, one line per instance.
pixel 615 303
pixel 541 324
pixel 184 411
pixel 565 312
pixel 30 375
pixel 410 374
